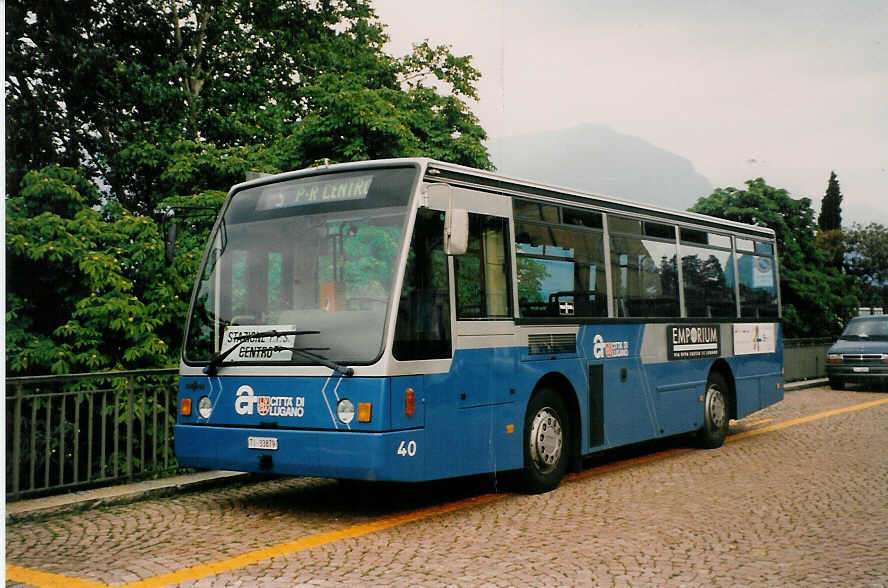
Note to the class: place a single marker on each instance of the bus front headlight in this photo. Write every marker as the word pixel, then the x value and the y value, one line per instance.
pixel 204 407
pixel 345 410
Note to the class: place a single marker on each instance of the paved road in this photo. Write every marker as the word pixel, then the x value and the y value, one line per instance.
pixel 798 496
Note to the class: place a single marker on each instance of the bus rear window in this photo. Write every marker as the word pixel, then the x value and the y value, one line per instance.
pixel 758 286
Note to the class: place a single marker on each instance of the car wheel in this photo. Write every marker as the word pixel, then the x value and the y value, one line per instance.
pixel 546 442
pixel 715 413
pixel 836 384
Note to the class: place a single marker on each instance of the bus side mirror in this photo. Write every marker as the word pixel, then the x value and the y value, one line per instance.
pixel 456 231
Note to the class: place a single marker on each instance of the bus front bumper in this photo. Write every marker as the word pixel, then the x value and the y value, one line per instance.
pixel 392 456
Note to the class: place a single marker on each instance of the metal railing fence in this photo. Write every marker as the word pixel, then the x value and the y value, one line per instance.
pixel 805 359
pixel 72 431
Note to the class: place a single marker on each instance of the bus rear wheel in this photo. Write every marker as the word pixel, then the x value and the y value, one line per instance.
pixel 715 413
pixel 546 442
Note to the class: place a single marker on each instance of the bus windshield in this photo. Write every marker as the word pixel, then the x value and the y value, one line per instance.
pixel 314 257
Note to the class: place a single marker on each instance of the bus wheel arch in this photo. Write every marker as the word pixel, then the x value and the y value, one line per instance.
pixel 722 367
pixel 551 434
pixel 719 406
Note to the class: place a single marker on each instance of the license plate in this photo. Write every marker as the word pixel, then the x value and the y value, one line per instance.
pixel 269 443
pixel 861 370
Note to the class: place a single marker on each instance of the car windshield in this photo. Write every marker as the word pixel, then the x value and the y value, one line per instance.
pixel 867 328
pixel 314 257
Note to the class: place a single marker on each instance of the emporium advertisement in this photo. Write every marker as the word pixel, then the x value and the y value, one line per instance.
pixel 693 341
pixel 755 338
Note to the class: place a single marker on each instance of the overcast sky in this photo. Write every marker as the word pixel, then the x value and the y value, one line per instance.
pixel 784 90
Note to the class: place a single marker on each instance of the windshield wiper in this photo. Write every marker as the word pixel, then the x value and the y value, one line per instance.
pixel 218 358
pixel 307 352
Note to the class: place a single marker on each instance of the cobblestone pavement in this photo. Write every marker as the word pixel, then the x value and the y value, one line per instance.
pixel 802 505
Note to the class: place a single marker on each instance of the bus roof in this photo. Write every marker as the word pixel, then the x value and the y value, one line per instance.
pixel 520 187
pixel 435 170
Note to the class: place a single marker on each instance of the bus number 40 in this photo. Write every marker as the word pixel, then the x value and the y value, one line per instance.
pixel 407 448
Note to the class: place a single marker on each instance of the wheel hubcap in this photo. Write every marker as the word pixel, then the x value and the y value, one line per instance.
pixel 715 407
pixel 546 439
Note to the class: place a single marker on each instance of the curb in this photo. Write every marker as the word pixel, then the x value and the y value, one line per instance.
pixel 76 501
pixel 802 384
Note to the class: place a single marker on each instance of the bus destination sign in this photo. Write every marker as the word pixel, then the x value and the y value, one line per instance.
pixel 693 341
pixel 302 193
pixel 251 348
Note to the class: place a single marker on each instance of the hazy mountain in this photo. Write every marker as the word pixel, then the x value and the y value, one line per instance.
pixel 595 158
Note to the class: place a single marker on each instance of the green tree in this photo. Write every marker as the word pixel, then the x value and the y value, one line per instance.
pixel 103 296
pixel 75 81
pixel 167 104
pixel 832 246
pixel 353 118
pixel 816 299
pixel 866 259
pixel 830 218
pixel 141 95
pixel 829 237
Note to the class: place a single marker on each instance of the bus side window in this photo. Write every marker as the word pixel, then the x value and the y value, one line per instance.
pixel 482 273
pixel 708 275
pixel 423 327
pixel 560 271
pixel 645 276
pixel 758 286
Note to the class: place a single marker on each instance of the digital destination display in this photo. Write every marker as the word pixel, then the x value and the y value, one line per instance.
pixel 302 193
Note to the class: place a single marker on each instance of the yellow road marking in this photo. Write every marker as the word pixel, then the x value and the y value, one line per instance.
pixel 217 567
pixel 758 422
pixel 47 580
pixel 628 463
pixel 806 419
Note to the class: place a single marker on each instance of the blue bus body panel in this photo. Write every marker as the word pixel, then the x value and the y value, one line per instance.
pixel 281 402
pixel 363 456
pixel 467 421
pixel 676 394
pixel 758 380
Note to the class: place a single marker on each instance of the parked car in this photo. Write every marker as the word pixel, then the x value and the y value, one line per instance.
pixel 861 353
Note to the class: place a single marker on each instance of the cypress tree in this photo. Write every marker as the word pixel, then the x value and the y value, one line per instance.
pixel 830 218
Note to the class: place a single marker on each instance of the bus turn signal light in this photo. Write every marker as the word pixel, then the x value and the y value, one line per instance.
pixel 185 408
pixel 409 403
pixel 365 412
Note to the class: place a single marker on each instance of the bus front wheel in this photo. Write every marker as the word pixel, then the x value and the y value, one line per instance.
pixel 546 442
pixel 715 412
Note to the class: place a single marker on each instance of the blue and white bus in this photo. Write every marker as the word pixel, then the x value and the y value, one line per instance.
pixel 410 320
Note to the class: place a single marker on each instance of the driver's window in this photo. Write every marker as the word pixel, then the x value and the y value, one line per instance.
pixel 482 274
pixel 423 328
